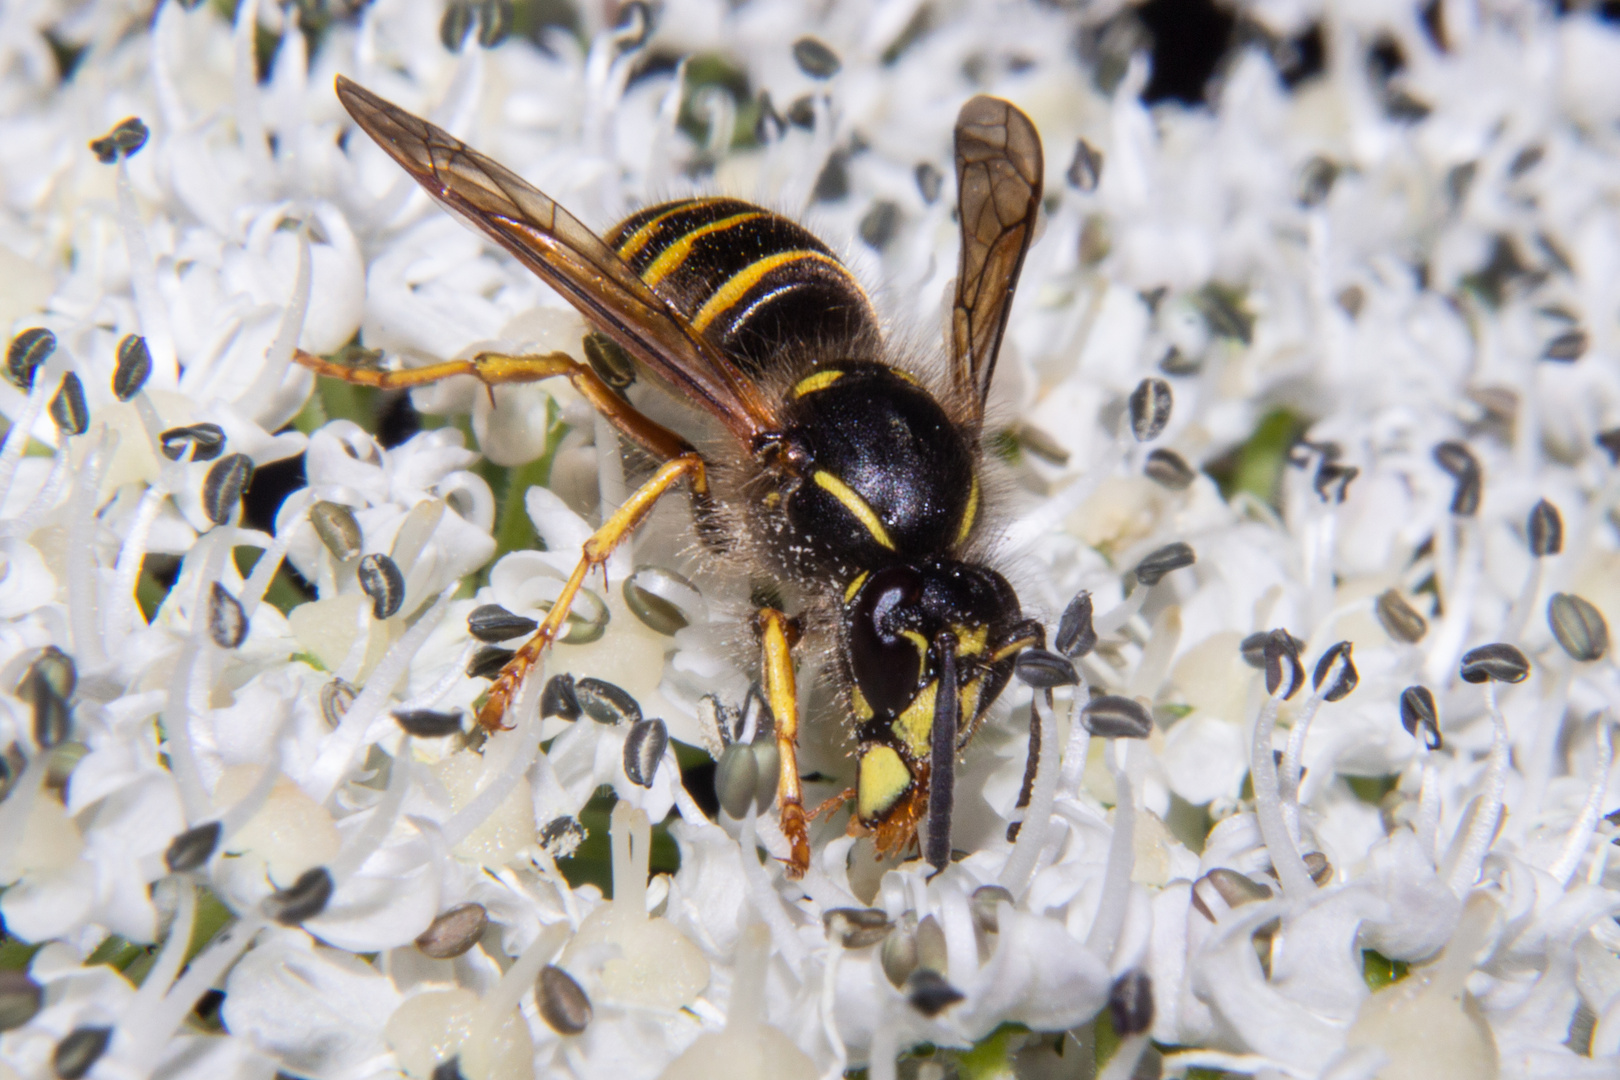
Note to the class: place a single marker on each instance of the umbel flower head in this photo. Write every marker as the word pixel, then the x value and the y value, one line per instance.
pixel 1304 447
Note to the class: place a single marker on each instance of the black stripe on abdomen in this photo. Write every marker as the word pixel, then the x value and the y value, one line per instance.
pixel 750 281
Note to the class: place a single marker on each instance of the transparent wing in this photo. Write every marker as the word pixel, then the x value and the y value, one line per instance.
pixel 565 254
pixel 998 183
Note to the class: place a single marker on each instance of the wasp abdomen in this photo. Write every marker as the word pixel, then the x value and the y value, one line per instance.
pixel 752 282
pixel 884 476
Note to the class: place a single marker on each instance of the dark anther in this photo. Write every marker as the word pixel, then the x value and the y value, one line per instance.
pixel 381 580
pixel 227 621
pixel 1460 464
pixel 929 993
pixel 634 25
pixel 453 26
pixel 562 836
pixel 1085 170
pixel 1567 347
pixel 1418 712
pixel 1043 669
pixel 1332 481
pixel 1130 1003
pixel 856 928
pixel 492 623
pixel 930 181
pixel 53 719
pixel 609 360
pixel 192 848
pixel 1113 716
pixel 1284 672
pixel 303 899
pixel 985 901
pixel 427 723
pixel 79 1051
pixel 68 407
pixel 223 487
pixel 1159 563
pixel 27 351
pixel 134 367
pixel 454 932
pixel 487 662
pixel 1316 179
pixel 644 748
pixel 1150 405
pixel 123 141
pixel 205 441
pixel 1347 679
pixel 1169 469
pixel 1499 662
pixel 1399 619
pixel 736 779
pixel 562 1001
pixel 1609 443
pixel 1579 626
pixel 558 698
pixel 1076 636
pixel 494 22
pixel 1545 529
pixel 605 703
pixel 815 59
pixel 20 999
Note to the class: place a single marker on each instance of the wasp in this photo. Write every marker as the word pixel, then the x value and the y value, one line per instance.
pixel 848 472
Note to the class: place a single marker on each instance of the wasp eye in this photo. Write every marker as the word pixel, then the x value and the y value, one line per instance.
pixel 886 664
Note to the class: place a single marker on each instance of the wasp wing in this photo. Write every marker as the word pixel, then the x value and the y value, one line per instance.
pixel 998 185
pixel 564 253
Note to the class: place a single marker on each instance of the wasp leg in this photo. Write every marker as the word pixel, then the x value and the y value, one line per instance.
pixel 832 805
pixel 496 369
pixel 596 550
pixel 782 695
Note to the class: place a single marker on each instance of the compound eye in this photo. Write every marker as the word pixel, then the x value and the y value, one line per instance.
pixel 886 664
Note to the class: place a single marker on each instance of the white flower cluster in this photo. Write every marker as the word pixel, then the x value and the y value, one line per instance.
pixel 1327 802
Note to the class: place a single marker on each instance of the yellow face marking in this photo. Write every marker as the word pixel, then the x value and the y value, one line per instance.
pixel 773 499
pixel 970 701
pixel 1011 648
pixel 856 505
pixel 971 642
pixel 819 381
pixel 916 639
pixel 881 778
pixel 969 514
pixel 863 708
pixel 746 278
pixel 914 724
pixel 669 260
pixel 640 238
pixel 855 586
pixel 906 375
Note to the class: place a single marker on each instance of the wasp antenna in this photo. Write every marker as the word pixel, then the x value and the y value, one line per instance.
pixel 942 756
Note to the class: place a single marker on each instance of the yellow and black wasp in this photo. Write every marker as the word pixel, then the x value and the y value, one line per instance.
pixel 851 475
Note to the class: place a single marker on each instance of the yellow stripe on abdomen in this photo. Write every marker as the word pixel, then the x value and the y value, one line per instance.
pixel 739 283
pixel 670 259
pixel 637 240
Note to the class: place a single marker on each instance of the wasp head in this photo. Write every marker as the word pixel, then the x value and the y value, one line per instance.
pixel 929 648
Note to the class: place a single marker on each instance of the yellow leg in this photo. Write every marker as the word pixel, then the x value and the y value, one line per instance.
pixel 496 369
pixel 596 551
pixel 781 694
